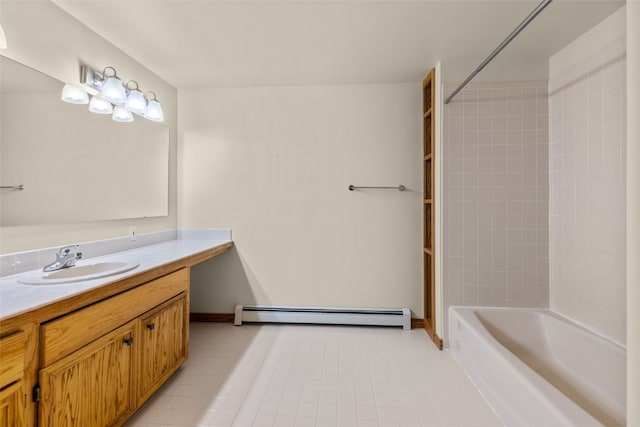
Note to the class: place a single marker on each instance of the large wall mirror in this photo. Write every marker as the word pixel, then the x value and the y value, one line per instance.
pixel 75 165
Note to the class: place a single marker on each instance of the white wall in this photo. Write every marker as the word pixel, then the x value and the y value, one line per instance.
pixel 633 212
pixel 499 69
pixel 42 36
pixel 607 31
pixel 587 180
pixel 274 164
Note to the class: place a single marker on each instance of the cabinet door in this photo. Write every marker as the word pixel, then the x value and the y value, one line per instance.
pixel 12 406
pixel 163 340
pixel 92 386
pixel 12 362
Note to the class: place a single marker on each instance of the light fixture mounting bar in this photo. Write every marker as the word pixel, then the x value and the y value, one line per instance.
pixel 90 77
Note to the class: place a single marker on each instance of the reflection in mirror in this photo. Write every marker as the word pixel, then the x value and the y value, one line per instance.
pixel 74 165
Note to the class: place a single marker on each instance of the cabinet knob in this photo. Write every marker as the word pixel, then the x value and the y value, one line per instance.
pixel 151 326
pixel 128 341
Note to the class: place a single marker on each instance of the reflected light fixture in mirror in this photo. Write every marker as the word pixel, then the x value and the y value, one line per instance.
pixel 113 97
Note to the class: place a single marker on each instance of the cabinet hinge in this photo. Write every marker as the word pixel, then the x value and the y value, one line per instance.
pixel 35 393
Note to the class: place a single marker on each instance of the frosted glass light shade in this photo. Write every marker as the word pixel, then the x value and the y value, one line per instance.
pixel 120 114
pixel 136 102
pixel 154 111
pixel 100 106
pixel 74 95
pixel 113 91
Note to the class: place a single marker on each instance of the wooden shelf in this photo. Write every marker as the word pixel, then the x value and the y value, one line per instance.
pixel 429 110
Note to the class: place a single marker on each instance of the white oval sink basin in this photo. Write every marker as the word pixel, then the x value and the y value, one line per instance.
pixel 79 273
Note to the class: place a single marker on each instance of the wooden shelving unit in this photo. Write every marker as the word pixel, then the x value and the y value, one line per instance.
pixel 429 254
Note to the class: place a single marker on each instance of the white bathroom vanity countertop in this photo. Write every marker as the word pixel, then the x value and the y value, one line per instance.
pixel 17 298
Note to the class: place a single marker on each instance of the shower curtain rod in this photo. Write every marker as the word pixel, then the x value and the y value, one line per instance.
pixel 501 46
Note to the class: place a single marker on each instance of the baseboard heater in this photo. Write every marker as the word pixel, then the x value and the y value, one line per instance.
pixel 323 315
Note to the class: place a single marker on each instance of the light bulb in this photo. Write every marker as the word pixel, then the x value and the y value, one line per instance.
pixel 100 106
pixel 136 103
pixel 121 115
pixel 74 95
pixel 154 111
pixel 113 91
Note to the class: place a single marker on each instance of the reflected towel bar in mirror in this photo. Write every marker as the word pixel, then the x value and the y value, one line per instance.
pixel 12 187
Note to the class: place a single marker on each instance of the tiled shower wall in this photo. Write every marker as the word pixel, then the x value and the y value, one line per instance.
pixel 587 191
pixel 495 198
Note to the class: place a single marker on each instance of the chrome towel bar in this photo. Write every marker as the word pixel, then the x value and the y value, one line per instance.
pixel 399 188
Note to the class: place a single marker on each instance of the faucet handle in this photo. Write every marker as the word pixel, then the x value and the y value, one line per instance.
pixel 66 257
pixel 66 250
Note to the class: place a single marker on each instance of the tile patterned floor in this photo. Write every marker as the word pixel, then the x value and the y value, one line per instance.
pixel 294 375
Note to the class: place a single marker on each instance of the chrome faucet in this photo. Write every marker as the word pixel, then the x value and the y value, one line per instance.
pixel 66 257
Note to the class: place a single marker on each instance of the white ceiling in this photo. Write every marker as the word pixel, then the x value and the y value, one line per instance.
pixel 198 43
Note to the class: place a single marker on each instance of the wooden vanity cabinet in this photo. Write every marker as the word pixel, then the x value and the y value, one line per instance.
pixel 100 363
pixel 93 358
pixel 94 385
pixel 12 365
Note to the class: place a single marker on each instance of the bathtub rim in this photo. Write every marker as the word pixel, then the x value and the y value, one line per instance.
pixel 548 311
pixel 559 404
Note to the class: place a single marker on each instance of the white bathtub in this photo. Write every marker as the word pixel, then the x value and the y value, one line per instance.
pixel 538 369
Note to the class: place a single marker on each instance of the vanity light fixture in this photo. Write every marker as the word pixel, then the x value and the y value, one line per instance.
pixel 74 95
pixel 111 96
pixel 154 109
